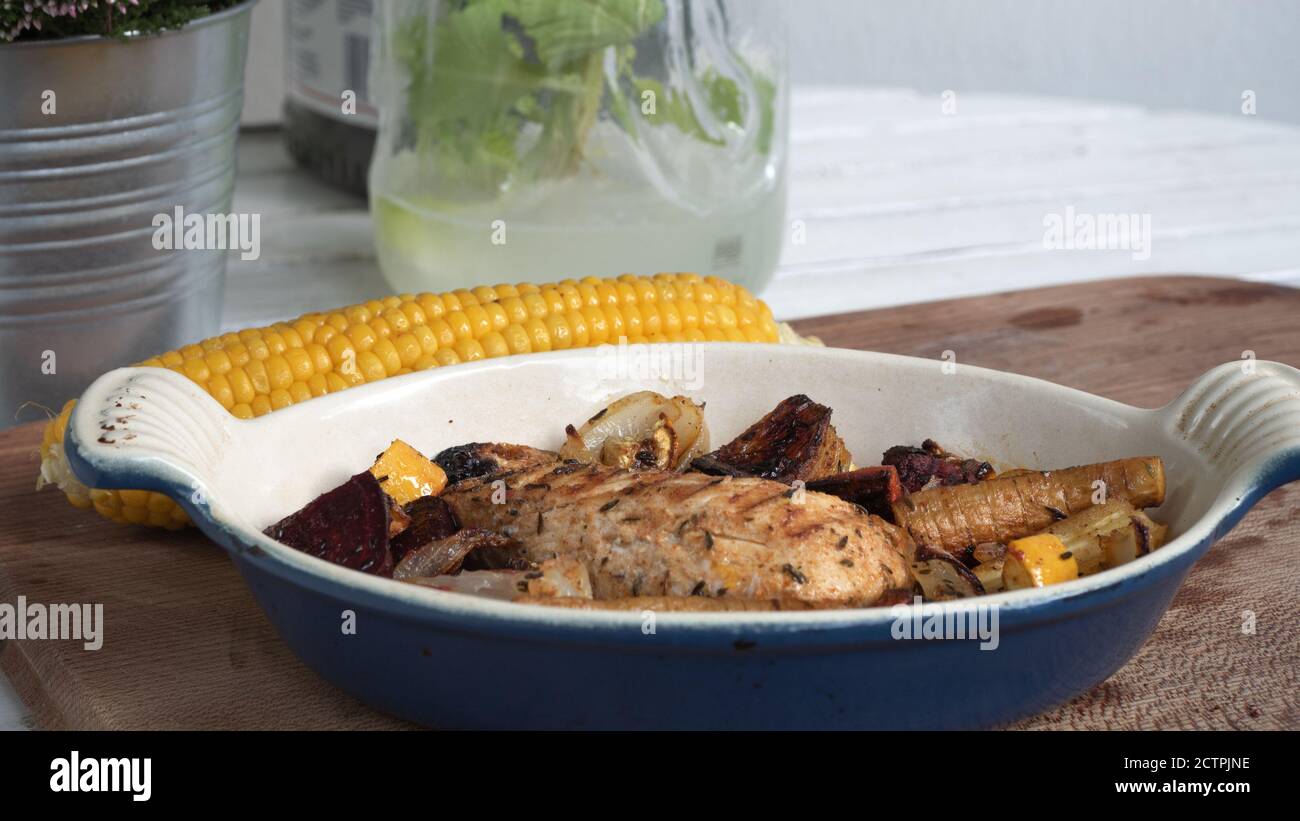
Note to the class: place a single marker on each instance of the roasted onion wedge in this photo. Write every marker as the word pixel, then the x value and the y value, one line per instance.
pixel 942 576
pixel 640 431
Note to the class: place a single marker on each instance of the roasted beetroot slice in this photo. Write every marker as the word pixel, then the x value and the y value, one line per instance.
pixel 431 520
pixel 917 466
pixel 875 489
pixel 347 526
pixel 795 441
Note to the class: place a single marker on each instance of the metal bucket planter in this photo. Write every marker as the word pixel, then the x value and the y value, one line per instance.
pixel 140 126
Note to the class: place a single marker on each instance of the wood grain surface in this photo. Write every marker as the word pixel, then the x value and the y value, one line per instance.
pixel 187 647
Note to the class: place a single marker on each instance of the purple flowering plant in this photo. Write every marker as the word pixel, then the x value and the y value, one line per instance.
pixel 53 19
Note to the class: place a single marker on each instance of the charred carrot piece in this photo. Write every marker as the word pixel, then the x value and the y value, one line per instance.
pixel 1011 507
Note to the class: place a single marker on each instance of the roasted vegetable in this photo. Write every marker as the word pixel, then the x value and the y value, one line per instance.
pixel 942 576
pixel 478 459
pixel 999 510
pixel 504 585
pixel 406 474
pixel 1126 544
pixel 932 465
pixel 347 526
pixel 873 489
pixel 1083 533
pixel 1037 561
pixel 1108 535
pixel 258 370
pixel 446 556
pixel 398 520
pixel 990 574
pixel 795 441
pixel 559 577
pixel 642 430
pixel 428 520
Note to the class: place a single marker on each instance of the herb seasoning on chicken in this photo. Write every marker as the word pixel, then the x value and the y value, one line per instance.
pixel 660 533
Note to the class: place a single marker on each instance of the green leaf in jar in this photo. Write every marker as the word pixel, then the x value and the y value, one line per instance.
pixel 506 91
pixel 562 30
pixel 724 100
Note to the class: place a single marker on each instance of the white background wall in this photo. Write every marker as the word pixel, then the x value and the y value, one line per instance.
pixel 264 72
pixel 1166 54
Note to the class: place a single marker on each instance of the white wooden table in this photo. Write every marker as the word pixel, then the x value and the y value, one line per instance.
pixel 900 202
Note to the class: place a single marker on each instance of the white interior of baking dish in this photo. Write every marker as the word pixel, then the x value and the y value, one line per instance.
pixel 1215 440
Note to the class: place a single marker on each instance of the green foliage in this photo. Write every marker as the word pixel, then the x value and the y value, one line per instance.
pixel 565 30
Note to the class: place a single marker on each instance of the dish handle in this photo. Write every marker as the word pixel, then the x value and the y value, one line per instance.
pixel 1245 418
pixel 148 429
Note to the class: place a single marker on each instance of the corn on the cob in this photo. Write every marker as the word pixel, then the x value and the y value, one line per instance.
pixel 256 371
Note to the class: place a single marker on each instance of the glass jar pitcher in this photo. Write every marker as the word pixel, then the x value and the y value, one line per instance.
pixel 546 139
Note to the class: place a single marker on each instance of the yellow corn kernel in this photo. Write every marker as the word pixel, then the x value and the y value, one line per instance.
pixel 558 331
pixel 447 356
pixel 537 334
pixel 408 349
pixel 617 327
pixel 219 387
pixel 497 316
pixel 256 370
pixel 494 345
pixel 469 350
pixel 517 339
pixel 278 373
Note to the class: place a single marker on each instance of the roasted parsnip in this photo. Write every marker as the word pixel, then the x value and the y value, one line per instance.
pixel 1108 535
pixel 998 510
pixel 990 574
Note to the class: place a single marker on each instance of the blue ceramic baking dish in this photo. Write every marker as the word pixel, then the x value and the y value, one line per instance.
pixel 450 660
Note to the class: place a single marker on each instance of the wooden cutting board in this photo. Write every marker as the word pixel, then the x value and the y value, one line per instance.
pixel 186 647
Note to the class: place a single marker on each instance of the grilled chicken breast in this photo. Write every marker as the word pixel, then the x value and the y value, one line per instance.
pixel 659 533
